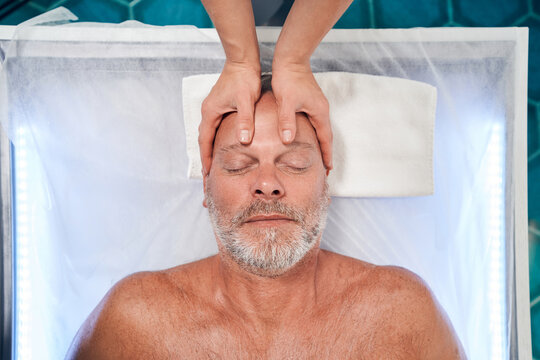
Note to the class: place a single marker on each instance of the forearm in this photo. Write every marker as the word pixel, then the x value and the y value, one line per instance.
pixel 235 25
pixel 305 27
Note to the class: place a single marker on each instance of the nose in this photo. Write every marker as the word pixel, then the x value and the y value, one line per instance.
pixel 267 186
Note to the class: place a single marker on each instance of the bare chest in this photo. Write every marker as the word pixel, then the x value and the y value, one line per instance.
pixel 232 343
pixel 349 336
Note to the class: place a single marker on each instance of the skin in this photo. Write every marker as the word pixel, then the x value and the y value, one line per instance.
pixel 295 88
pixel 327 306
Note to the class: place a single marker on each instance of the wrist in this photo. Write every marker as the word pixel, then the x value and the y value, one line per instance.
pixel 250 64
pixel 242 52
pixel 294 59
pixel 290 65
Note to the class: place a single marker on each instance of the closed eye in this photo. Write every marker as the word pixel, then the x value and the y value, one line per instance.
pixel 295 161
pixel 237 170
pixel 296 169
pixel 237 165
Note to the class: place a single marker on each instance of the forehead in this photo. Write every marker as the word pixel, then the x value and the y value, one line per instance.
pixel 266 128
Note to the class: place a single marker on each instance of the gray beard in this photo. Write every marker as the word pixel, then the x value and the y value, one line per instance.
pixel 269 252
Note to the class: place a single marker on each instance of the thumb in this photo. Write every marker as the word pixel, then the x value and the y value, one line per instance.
pixel 287 122
pixel 244 121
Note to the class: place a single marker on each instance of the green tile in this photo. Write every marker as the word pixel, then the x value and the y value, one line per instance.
pixel 356 16
pixel 21 14
pixel 534 57
pixel 533 130
pixel 45 3
pixel 534 222
pixel 489 12
pixel 98 10
pixel 534 188
pixel 535 330
pixel 410 13
pixel 534 261
pixel 536 7
pixel 177 12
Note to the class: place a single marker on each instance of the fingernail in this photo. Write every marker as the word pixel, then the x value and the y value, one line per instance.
pixel 287 135
pixel 244 136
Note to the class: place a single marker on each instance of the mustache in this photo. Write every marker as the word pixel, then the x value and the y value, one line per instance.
pixel 260 207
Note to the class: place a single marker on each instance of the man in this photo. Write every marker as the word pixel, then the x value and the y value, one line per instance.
pixel 270 293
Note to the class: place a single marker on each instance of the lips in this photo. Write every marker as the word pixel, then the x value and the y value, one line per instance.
pixel 275 217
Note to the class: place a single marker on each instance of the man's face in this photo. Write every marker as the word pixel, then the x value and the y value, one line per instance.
pixel 267 201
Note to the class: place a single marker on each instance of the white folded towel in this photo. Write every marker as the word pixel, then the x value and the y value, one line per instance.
pixel 383 132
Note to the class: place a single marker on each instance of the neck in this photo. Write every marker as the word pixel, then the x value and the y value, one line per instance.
pixel 267 300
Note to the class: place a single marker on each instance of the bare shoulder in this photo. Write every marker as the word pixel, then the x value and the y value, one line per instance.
pixel 402 286
pixel 366 281
pixel 372 283
pixel 400 307
pixel 133 315
pixel 421 318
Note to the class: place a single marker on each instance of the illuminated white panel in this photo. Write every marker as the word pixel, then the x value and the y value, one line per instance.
pixel 23 284
pixel 496 244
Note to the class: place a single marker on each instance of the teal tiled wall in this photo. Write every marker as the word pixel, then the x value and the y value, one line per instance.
pixel 155 12
pixel 364 14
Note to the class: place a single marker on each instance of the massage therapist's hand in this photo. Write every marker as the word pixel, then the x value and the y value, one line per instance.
pixel 293 83
pixel 296 90
pixel 237 89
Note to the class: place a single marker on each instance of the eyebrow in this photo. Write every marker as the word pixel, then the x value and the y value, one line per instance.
pixel 291 146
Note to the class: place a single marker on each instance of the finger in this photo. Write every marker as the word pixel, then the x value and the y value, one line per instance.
pixel 244 120
pixel 207 131
pixel 324 135
pixel 287 122
pixel 206 154
pixel 326 149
